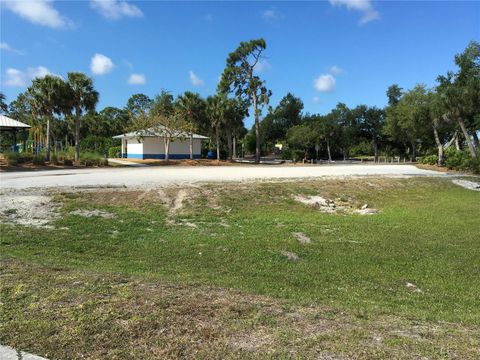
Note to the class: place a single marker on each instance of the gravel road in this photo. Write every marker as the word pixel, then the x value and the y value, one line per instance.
pixel 167 175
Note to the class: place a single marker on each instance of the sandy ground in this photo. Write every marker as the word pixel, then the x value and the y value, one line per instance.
pixel 152 176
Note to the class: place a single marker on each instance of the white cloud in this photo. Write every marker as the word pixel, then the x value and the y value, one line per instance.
pixel 335 70
pixel 194 79
pixel 316 100
pixel 101 64
pixel 262 65
pixel 19 78
pixel 270 14
pixel 364 6
pixel 115 9
pixel 7 47
pixel 39 12
pixel 325 83
pixel 136 79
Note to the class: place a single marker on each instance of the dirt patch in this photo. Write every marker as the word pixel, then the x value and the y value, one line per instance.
pixel 290 256
pixel 177 203
pixel 318 202
pixel 365 210
pixel 93 213
pixel 302 238
pixel 343 204
pixel 470 185
pixel 28 209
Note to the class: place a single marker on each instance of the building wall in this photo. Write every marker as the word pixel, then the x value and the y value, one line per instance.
pixel 154 148
pixel 134 149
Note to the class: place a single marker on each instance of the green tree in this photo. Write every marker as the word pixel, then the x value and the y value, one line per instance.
pixel 301 137
pixel 325 129
pixel 239 78
pixel 276 123
pixel 3 104
pixel 83 97
pixel 192 107
pixel 394 93
pixel 47 96
pixel 460 94
pixel 216 109
pixel 409 118
pixel 347 127
pixel 137 104
pixel 235 112
pixel 371 121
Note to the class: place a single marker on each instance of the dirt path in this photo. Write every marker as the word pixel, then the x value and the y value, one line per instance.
pixel 151 176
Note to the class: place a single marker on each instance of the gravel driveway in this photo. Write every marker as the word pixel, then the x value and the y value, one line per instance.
pixel 167 175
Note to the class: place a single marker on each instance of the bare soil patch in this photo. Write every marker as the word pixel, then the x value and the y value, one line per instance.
pixel 93 213
pixel 470 185
pixel 26 208
pixel 302 238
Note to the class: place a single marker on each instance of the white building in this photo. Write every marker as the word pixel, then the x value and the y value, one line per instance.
pixel 150 144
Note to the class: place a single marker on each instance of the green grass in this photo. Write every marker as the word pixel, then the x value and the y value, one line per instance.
pixel 427 233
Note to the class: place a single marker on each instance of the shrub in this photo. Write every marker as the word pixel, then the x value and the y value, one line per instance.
pixel 462 160
pixel 68 162
pixel 429 159
pixel 54 160
pixel 92 159
pixel 12 158
pixel 39 159
pixel 97 144
pixel 114 151
pixel 25 157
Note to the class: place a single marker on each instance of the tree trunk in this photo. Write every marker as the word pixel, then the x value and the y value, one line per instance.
pixel 191 146
pixel 166 141
pixel 375 150
pixel 457 142
pixel 439 144
pixel 235 147
pixel 77 134
pixel 328 150
pixel 229 142
pixel 467 137
pixel 217 133
pixel 257 130
pixel 414 151
pixel 476 145
pixel 47 151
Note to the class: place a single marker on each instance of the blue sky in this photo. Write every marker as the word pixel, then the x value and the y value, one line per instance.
pixel 324 52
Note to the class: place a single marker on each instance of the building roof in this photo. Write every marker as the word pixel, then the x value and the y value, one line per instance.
pixel 7 123
pixel 156 132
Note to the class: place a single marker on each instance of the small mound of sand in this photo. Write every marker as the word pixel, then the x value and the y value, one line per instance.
pixel 302 238
pixel 470 185
pixel 92 213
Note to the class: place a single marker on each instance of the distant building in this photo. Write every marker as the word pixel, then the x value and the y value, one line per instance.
pixel 149 144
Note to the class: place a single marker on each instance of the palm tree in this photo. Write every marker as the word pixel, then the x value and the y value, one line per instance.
pixel 83 97
pixel 235 113
pixel 191 106
pixel 216 109
pixel 45 97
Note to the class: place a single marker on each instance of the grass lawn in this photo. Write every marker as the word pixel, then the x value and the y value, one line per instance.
pixel 202 272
